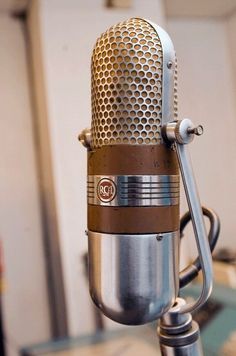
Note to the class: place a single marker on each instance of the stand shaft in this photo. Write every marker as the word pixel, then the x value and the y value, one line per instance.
pixel 178 334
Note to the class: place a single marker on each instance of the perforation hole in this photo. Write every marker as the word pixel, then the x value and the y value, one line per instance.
pixel 126 85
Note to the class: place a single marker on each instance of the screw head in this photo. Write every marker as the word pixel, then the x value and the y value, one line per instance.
pixel 159 237
pixel 196 130
pixel 169 65
pixel 199 130
pixel 85 138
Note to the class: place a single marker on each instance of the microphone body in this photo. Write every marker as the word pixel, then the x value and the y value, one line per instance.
pixel 133 175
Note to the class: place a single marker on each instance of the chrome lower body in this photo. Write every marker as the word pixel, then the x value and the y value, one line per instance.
pixel 133 278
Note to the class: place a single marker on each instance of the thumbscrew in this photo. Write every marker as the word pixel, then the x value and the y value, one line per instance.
pixel 196 130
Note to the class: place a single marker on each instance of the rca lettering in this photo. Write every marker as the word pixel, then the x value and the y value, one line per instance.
pixel 106 190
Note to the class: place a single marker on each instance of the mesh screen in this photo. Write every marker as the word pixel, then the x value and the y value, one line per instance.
pixel 127 85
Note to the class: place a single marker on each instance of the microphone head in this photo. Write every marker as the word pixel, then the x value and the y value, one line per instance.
pixel 133 177
pixel 134 74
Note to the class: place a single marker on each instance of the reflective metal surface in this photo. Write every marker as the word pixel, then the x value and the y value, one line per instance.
pixel 131 190
pixel 85 138
pixel 173 321
pixel 169 76
pixel 198 227
pixel 178 334
pixel 180 135
pixel 133 74
pixel 195 349
pixel 133 278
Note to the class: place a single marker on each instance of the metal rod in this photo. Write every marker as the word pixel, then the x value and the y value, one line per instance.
pixel 198 227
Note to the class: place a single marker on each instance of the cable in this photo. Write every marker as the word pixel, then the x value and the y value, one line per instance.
pixel 191 272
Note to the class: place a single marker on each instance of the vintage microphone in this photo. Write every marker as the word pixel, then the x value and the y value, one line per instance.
pixel 135 148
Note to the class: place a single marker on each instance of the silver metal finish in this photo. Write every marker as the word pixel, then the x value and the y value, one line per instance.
pixel 178 334
pixel 168 73
pixel 169 131
pixel 133 91
pixel 181 133
pixel 85 138
pixel 194 349
pixel 184 131
pixel 173 321
pixel 131 190
pixel 129 292
pixel 196 130
pixel 198 227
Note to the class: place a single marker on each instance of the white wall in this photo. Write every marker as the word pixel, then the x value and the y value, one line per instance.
pixel 206 95
pixel 68 33
pixel 230 22
pixel 25 303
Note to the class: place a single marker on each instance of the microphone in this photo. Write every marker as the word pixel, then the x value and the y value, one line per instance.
pixel 133 174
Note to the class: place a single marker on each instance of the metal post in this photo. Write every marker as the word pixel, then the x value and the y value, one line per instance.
pixel 178 334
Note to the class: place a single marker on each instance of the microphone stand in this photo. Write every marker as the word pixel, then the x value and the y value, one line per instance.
pixel 178 334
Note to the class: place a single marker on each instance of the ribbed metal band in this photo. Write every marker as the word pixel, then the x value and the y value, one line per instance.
pixel 187 338
pixel 133 190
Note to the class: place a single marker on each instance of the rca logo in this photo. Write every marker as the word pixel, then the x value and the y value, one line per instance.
pixel 106 190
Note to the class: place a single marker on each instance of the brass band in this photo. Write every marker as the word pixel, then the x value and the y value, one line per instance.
pixel 126 220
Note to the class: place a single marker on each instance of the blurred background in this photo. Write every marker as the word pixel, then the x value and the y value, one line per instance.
pixel 45 48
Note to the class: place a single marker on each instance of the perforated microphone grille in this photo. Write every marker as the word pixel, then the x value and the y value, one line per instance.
pixel 127 85
pixel 175 90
